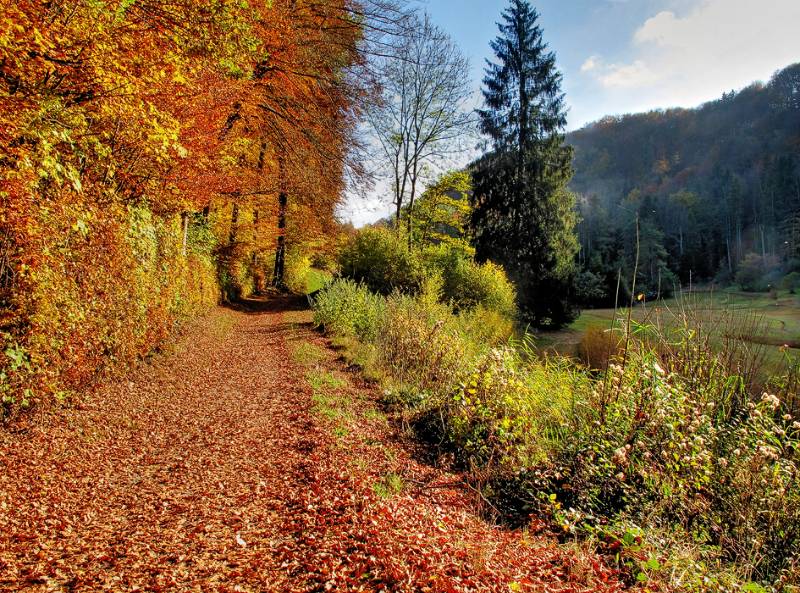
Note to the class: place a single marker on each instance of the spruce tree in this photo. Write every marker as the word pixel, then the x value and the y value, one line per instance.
pixel 524 216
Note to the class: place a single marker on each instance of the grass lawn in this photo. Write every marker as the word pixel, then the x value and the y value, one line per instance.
pixel 760 319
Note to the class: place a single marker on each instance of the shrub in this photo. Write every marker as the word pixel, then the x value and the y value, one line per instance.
pixel 348 309
pixel 791 282
pixel 753 274
pixel 598 347
pixel 659 448
pixel 381 260
pixel 419 342
pixel 509 412
pixel 467 284
pixel 485 326
pixel 106 285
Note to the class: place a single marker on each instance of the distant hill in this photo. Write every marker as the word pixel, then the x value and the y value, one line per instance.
pixel 710 185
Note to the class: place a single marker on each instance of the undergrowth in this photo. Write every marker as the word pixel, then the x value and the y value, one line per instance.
pixel 661 454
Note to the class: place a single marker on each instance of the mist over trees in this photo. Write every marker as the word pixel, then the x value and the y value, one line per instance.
pixel 716 189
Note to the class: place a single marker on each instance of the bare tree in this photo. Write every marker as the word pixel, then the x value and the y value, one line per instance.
pixel 423 116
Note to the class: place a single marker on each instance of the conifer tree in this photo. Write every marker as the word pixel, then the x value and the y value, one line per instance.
pixel 524 217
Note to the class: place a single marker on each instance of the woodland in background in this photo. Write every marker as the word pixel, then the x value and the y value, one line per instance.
pixel 716 191
pixel 155 153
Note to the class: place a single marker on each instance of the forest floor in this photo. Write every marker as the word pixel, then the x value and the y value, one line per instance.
pixel 250 458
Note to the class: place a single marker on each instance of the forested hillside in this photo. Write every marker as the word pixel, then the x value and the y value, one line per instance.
pixel 713 187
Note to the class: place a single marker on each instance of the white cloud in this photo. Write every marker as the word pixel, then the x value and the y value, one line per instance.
pixel 591 63
pixel 718 45
pixel 631 75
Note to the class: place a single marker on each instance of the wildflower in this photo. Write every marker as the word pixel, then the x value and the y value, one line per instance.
pixel 796 425
pixel 737 452
pixel 723 463
pixel 658 368
pixel 768 452
pixel 621 476
pixel 771 400
pixel 620 456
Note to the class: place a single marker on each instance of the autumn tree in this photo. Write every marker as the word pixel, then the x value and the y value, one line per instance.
pixel 137 139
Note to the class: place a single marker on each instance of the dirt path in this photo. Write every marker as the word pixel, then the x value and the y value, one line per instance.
pixel 249 460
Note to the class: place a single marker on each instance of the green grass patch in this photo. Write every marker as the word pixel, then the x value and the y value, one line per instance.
pixel 376 415
pixel 316 279
pixel 390 485
pixel 328 400
pixel 325 381
pixel 308 354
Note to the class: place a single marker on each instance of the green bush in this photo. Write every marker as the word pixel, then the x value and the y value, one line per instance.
pixel 381 260
pixel 348 309
pixel 467 284
pixel 791 282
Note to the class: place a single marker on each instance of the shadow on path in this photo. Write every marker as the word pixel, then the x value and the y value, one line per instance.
pixel 269 303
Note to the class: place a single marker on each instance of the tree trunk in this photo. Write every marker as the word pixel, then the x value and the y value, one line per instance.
pixel 280 252
pixel 185 229
pixel 728 247
pixel 234 223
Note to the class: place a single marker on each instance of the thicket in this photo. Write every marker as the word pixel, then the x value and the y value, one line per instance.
pixel 662 456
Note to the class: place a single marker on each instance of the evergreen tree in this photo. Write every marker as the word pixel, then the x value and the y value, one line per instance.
pixel 524 217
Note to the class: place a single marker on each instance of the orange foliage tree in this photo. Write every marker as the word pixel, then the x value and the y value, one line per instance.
pixel 121 119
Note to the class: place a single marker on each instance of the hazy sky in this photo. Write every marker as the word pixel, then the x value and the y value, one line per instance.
pixel 623 56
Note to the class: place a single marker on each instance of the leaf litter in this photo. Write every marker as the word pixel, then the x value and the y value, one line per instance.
pixel 210 470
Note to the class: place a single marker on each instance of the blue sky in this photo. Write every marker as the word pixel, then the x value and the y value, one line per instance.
pixel 621 56
pixel 627 56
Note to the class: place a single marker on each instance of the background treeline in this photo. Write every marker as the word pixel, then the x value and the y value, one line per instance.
pixel 716 190
pixel 155 155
